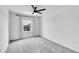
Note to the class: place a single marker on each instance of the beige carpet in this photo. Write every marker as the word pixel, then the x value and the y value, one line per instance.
pixel 36 45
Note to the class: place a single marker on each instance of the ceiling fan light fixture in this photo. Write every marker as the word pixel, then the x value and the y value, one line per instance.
pixel 35 10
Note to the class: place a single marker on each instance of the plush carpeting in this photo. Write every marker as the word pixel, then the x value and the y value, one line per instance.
pixel 36 45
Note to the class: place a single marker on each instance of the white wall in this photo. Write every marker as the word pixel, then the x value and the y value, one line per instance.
pixel 61 24
pixel 4 17
pixel 14 26
pixel 37 26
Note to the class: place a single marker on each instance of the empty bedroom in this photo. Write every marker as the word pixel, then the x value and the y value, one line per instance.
pixel 39 28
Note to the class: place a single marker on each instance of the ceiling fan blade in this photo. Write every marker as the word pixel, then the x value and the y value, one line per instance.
pixel 33 6
pixel 41 10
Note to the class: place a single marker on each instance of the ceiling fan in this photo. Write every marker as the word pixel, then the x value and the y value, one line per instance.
pixel 37 11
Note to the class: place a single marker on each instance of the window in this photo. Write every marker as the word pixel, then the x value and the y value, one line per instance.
pixel 26 24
